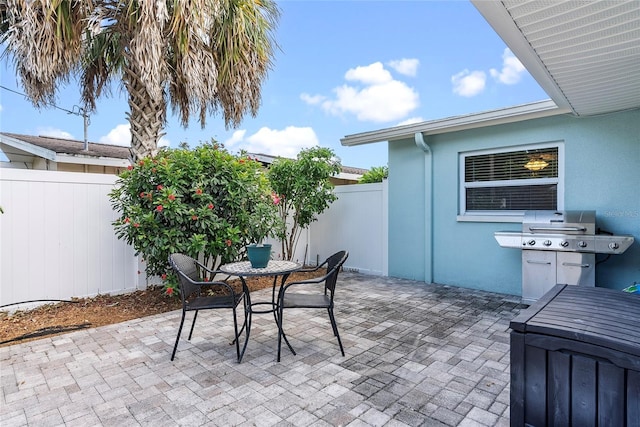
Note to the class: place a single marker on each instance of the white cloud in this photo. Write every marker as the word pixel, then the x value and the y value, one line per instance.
pixel 408 67
pixel 121 135
pixel 375 95
pixel 373 74
pixel 236 138
pixel 285 142
pixel 411 121
pixel 512 69
pixel 53 132
pixel 468 83
pixel 312 100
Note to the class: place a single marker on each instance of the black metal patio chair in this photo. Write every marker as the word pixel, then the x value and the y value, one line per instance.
pixel 190 278
pixel 312 296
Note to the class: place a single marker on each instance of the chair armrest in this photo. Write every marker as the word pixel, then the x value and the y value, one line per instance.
pixel 216 283
pixel 316 268
pixel 315 280
pixel 212 273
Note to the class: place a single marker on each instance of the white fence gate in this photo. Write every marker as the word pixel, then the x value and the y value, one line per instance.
pixel 57 241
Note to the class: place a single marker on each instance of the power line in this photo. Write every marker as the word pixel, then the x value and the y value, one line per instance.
pixel 48 103
pixel 81 113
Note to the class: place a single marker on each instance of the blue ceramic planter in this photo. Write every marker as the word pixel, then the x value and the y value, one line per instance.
pixel 259 255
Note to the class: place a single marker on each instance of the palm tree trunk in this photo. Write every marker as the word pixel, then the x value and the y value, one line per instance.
pixel 147 117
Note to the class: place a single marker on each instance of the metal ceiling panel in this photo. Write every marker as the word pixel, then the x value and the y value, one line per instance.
pixel 585 54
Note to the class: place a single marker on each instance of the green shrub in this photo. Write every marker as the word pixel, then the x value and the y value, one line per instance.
pixel 199 202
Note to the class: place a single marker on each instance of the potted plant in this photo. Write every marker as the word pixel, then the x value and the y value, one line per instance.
pixel 264 222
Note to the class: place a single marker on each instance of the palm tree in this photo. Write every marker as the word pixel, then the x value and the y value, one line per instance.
pixel 204 56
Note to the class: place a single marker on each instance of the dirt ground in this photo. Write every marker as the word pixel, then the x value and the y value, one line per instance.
pixel 82 313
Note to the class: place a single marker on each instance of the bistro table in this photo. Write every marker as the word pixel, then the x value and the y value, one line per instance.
pixel 274 268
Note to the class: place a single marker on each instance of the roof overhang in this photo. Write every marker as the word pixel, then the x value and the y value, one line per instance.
pixel 19 151
pixel 453 124
pixel 584 54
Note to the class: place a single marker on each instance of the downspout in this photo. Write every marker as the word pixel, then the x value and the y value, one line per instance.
pixel 428 206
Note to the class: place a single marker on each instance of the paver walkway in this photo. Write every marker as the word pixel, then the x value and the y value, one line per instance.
pixel 416 355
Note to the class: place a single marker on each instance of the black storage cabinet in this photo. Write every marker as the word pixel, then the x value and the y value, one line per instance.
pixel 575 359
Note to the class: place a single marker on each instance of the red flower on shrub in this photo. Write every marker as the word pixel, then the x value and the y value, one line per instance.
pixel 153 170
pixel 198 191
pixel 159 208
pixel 136 225
pixel 164 276
pixel 194 217
pixel 169 291
pixel 210 205
pixel 130 167
pixel 172 197
pixel 229 242
pixel 159 187
pixel 241 161
pixel 206 279
pixel 141 162
pixel 143 195
pixel 127 220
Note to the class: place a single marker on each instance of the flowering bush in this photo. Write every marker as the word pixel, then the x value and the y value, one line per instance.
pixel 305 191
pixel 197 202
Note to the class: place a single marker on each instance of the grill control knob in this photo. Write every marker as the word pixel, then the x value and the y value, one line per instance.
pixel 531 242
pixel 613 245
pixel 547 243
pixel 582 244
pixel 564 243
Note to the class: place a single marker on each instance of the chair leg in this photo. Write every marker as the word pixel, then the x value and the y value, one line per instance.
pixel 175 347
pixel 195 316
pixel 335 329
pixel 247 320
pixel 281 333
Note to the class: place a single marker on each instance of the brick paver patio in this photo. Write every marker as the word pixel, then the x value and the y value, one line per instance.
pixel 416 355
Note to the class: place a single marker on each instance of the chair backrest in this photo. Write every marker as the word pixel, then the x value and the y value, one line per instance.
pixel 334 263
pixel 186 269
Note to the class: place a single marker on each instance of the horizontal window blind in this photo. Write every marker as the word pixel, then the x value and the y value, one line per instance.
pixel 512 198
pixel 524 164
pixel 516 181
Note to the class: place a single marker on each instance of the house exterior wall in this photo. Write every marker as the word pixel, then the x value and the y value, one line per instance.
pixel 601 173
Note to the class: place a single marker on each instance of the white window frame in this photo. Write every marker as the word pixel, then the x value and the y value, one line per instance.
pixel 506 216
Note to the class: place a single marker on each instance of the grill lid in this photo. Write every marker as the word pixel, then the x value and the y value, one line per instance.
pixel 564 222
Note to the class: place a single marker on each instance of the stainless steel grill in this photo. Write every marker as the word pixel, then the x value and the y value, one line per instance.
pixel 559 247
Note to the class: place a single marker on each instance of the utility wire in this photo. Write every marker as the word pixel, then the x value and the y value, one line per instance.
pixel 81 113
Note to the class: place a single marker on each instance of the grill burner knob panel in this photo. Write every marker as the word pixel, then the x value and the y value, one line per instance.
pixel 613 246
pixel 582 244
pixel 547 243
pixel 532 242
pixel 564 243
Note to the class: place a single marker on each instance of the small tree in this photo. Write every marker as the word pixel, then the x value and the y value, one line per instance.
pixel 198 202
pixel 304 189
pixel 375 174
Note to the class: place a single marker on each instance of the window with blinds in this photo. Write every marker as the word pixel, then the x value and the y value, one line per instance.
pixel 511 181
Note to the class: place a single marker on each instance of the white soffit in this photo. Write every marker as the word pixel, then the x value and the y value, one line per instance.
pixel 584 54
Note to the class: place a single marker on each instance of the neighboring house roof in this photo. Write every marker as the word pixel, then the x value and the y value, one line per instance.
pixel 23 148
pixel 347 172
pixel 585 55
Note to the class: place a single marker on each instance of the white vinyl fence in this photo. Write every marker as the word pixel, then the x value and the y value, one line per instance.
pixel 57 241
pixel 56 238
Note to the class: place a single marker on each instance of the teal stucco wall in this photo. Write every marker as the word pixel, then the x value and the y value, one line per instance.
pixel 601 173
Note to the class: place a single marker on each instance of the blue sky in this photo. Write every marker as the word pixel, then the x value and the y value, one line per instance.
pixel 343 67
